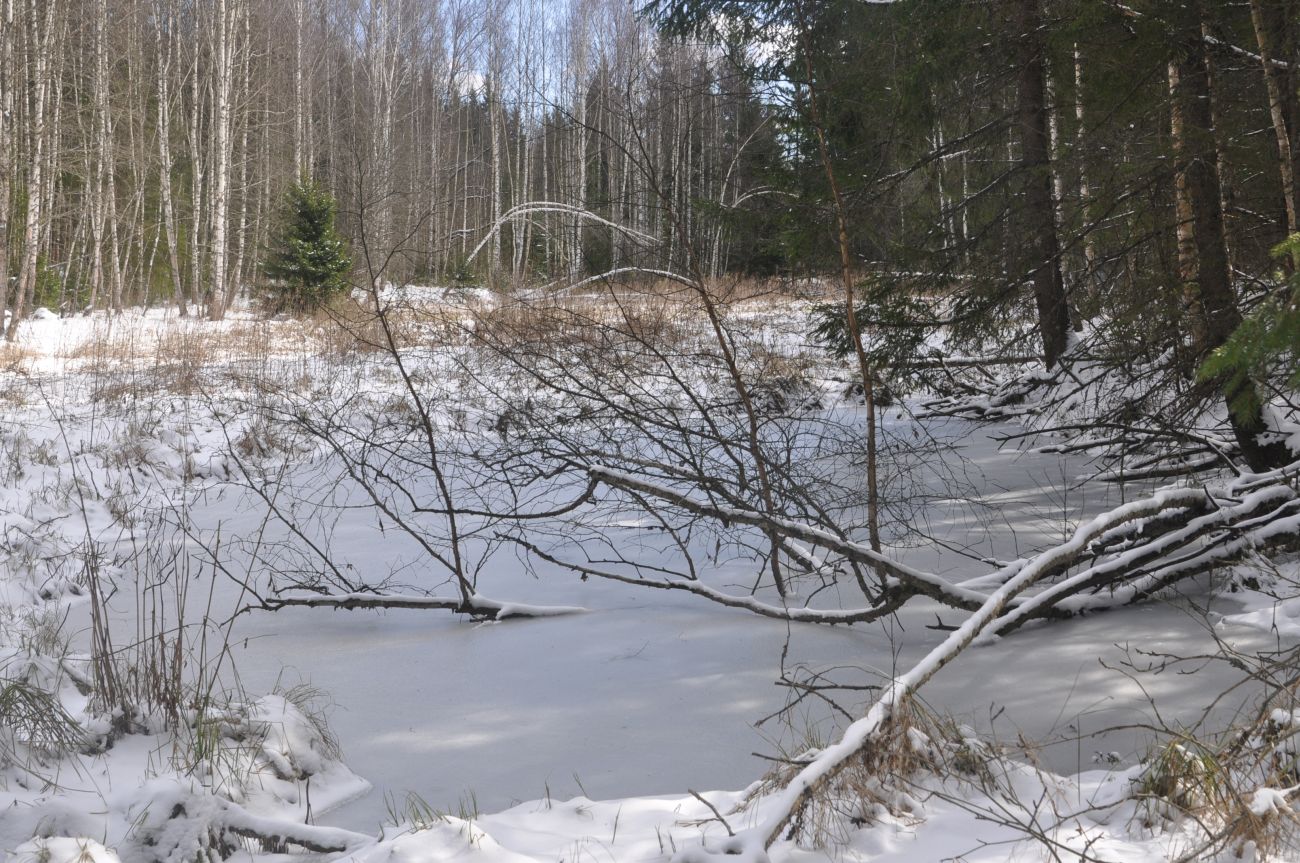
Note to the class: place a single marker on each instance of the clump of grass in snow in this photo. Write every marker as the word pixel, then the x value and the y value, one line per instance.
pixel 1231 793
pixel 1181 776
pixel 913 745
pixel 313 704
pixel 413 812
pixel 34 726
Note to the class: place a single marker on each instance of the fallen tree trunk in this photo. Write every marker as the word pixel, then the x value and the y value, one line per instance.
pixel 823 769
pixel 794 614
pixel 1197 527
pixel 1148 545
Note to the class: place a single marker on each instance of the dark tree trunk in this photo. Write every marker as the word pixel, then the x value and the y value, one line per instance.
pixel 1207 286
pixel 1275 32
pixel 1039 211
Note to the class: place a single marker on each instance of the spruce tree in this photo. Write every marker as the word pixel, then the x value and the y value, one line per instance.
pixel 307 261
pixel 1264 351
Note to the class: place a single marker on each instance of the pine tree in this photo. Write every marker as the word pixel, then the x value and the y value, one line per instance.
pixel 307 262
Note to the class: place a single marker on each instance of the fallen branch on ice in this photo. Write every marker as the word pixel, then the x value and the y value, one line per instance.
pixel 478 607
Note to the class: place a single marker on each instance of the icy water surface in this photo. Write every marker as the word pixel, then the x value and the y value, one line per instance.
pixel 653 693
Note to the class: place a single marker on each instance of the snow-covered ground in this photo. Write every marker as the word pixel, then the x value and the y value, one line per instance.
pixel 127 443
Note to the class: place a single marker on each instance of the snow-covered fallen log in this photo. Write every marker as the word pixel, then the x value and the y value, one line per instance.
pixel 275 833
pixel 1147 546
pixel 831 761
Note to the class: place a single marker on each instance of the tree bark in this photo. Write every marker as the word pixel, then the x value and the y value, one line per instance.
pixel 223 71
pixel 166 47
pixel 300 166
pixel 1035 164
pixel 1185 236
pixel 1085 191
pixel 1275 22
pixel 1204 263
pixel 105 181
pixel 40 33
pixel 6 144
pixel 198 180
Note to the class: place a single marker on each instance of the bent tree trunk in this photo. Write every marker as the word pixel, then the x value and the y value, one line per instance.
pixel 1039 211
pixel 1204 273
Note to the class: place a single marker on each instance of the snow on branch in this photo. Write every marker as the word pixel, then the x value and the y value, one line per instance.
pixel 276 832
pixel 641 271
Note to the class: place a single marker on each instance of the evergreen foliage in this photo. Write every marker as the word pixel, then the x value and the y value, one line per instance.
pixel 49 292
pixel 307 262
pixel 898 323
pixel 1266 342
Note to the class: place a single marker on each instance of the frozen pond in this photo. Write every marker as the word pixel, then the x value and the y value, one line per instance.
pixel 654 693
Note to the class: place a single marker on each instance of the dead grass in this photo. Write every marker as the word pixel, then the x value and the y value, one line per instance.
pixel 15 359
pixel 728 290
pixel 128 358
pixel 17 363
pixel 884 782
pixel 1216 783
pixel 131 356
pixel 618 321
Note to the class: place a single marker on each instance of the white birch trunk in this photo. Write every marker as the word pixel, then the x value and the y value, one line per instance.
pixel 223 72
pixel 40 26
pixel 166 48
pixel 7 85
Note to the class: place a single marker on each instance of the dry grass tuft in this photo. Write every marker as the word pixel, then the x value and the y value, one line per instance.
pixel 885 781
pixel 16 359
pixel 616 321
pixel 1235 790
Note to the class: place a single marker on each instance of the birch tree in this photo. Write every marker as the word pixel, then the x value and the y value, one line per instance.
pixel 222 22
pixel 43 27
pixel 165 36
pixel 7 118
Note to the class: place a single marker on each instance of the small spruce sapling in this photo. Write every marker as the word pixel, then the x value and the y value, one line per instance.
pixel 1265 344
pixel 307 261
pixel 898 331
